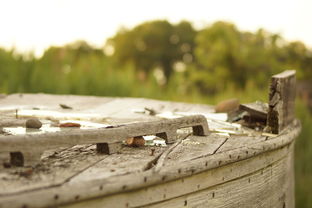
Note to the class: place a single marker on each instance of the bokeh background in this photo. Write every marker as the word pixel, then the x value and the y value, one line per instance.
pixel 191 51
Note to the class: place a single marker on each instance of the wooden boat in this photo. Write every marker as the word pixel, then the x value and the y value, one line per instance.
pixel 228 166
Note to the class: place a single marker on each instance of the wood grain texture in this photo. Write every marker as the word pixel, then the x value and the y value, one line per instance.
pixel 257 182
pixel 281 101
pixel 101 135
pixel 206 166
pixel 102 188
pixel 32 146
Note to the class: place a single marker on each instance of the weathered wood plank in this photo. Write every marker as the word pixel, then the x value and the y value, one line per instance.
pixel 264 188
pixel 257 109
pixel 56 168
pixel 129 160
pixel 195 147
pixel 92 104
pixel 234 142
pixel 281 101
pixel 46 101
pixel 122 180
pixel 229 186
pixel 31 147
pixel 99 187
pixel 77 164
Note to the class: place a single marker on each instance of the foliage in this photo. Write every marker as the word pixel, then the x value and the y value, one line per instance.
pixel 303 156
pixel 154 44
pixel 236 57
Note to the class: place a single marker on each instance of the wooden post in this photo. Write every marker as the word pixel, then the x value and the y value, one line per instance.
pixel 281 101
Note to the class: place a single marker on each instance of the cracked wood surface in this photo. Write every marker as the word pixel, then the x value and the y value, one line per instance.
pixel 34 145
pixel 281 101
pixel 81 162
pixel 187 172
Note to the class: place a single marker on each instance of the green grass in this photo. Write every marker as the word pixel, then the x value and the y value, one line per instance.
pixel 303 156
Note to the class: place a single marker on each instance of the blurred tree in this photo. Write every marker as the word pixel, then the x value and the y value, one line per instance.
pixel 68 69
pixel 214 59
pixel 297 56
pixel 154 44
pixel 227 57
pixel 15 70
pixel 216 48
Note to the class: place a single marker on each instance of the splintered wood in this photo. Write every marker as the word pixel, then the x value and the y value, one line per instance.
pixel 281 101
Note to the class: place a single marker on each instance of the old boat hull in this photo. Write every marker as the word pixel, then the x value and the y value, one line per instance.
pixel 257 174
pixel 265 180
pixel 245 169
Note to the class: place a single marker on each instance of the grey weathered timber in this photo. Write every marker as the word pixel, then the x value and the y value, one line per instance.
pixel 281 101
pixel 253 182
pixel 27 149
pixel 246 169
pixel 211 172
pixel 256 110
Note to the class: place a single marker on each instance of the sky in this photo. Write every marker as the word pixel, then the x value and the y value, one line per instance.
pixel 34 25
